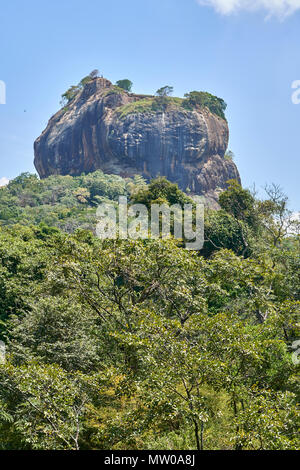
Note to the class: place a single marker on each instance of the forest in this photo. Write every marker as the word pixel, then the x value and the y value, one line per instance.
pixel 114 344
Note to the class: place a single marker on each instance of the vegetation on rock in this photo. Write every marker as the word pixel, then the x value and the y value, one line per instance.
pixel 205 100
pixel 163 102
pixel 125 84
pixel 73 91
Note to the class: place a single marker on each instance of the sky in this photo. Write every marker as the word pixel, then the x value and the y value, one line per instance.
pixel 245 51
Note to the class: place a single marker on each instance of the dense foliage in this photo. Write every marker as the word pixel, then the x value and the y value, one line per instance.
pixel 62 201
pixel 125 84
pixel 206 100
pixel 142 344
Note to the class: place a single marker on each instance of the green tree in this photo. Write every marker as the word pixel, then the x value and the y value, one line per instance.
pixel 165 91
pixel 50 333
pixel 238 202
pixel 69 95
pixel 125 84
pixel 203 99
pixel 161 189
pixel 45 405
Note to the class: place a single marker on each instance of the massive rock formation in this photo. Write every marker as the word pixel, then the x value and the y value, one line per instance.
pixel 106 128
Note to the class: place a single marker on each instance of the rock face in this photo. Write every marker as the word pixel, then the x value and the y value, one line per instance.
pixel 118 132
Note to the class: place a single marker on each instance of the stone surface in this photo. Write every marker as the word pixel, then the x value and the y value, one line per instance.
pixel 186 146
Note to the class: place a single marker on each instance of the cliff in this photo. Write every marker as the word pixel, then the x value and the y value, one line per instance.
pixel 106 128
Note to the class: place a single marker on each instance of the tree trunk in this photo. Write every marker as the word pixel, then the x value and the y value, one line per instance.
pixel 197 435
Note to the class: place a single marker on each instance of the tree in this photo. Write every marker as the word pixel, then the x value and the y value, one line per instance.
pixel 223 231
pixel 260 425
pixel 239 202
pixel 72 92
pixel 82 195
pixel 94 73
pixel 50 333
pixel 125 84
pixel 277 219
pixel 229 155
pixel 45 404
pixel 162 98
pixel 165 91
pixel 69 95
pixel 84 81
pixel 23 257
pixel 161 188
pixel 203 99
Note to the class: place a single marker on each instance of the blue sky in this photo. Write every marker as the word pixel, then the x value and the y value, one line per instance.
pixel 248 56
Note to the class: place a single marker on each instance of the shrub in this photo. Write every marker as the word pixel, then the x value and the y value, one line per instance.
pixel 206 100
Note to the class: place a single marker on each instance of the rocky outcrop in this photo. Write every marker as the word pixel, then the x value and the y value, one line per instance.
pixel 126 134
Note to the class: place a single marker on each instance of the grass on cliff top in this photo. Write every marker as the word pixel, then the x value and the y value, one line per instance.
pixel 149 105
pixel 114 90
pixel 154 104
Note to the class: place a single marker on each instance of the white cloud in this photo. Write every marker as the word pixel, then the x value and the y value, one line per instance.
pixel 280 8
pixel 4 181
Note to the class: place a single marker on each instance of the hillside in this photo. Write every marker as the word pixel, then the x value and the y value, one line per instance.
pixel 141 344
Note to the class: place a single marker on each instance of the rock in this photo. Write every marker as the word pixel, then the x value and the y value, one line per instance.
pixel 126 134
